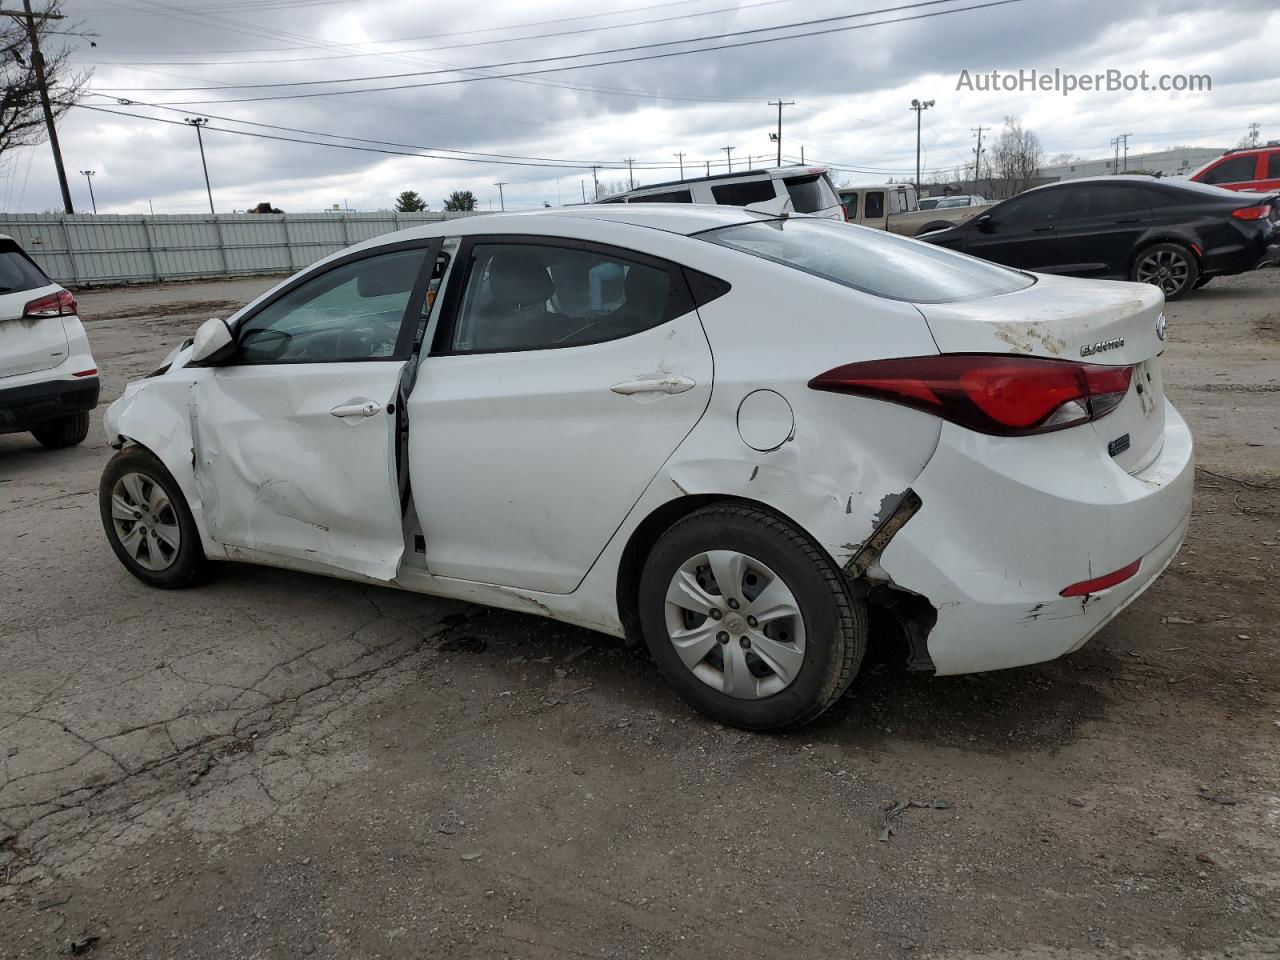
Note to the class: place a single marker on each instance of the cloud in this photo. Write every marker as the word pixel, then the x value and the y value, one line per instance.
pixel 852 90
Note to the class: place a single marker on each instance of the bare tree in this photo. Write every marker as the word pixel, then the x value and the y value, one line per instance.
pixel 1017 154
pixel 21 118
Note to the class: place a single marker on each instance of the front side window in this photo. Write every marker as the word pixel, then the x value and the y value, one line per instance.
pixel 870 260
pixel 811 193
pixel 743 192
pixel 1037 209
pixel 1273 166
pixel 521 296
pixel 352 312
pixel 851 206
pixel 1233 170
pixel 928 203
pixel 874 205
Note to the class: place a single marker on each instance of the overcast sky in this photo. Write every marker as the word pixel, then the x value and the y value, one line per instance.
pixel 852 91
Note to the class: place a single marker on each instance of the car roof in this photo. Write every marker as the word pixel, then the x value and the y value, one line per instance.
pixel 1167 183
pixel 681 218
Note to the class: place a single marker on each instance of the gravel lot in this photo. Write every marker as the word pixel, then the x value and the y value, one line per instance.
pixel 275 765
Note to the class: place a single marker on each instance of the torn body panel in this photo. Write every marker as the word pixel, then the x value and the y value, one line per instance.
pixel 1002 530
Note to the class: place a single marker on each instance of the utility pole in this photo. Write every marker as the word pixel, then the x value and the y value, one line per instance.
pixel 802 154
pixel 502 201
pixel 680 157
pixel 708 168
pixel 1115 164
pixel 199 122
pixel 919 106
pixel 780 103
pixel 631 178
pixel 977 156
pixel 1254 130
pixel 728 152
pixel 1124 139
pixel 88 175
pixel 595 182
pixel 37 64
pixel 583 185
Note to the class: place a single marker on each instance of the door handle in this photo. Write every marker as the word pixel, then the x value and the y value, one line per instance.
pixel 668 385
pixel 1130 220
pixel 1041 229
pixel 358 408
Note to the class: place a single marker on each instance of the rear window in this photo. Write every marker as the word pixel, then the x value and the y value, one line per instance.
pixel 743 192
pixel 17 273
pixel 811 194
pixel 870 260
pixel 671 196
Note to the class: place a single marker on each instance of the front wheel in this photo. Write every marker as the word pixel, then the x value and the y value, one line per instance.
pixel 749 620
pixel 147 521
pixel 1169 266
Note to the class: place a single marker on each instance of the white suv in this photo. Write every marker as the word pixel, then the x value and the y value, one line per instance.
pixel 48 378
pixel 808 190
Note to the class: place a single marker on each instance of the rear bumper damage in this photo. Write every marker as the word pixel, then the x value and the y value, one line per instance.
pixel 1003 527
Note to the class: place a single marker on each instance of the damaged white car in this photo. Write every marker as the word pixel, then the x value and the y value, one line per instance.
pixel 727 434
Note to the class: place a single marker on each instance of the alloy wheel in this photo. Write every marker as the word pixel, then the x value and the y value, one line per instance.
pixel 145 521
pixel 735 624
pixel 1167 269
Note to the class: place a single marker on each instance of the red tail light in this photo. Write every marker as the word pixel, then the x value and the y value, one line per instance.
pixel 1260 212
pixel 999 394
pixel 1086 587
pixel 60 304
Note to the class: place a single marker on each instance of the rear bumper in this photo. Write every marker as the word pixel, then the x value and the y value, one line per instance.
pixel 1005 526
pixel 24 407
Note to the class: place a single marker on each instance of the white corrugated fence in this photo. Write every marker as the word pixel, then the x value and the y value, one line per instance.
pixel 85 249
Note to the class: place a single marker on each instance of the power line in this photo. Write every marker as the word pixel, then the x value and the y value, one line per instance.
pixel 453 46
pixel 568 56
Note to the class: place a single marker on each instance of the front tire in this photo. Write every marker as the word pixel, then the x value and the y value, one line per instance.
pixel 148 522
pixel 1169 266
pixel 749 619
pixel 64 432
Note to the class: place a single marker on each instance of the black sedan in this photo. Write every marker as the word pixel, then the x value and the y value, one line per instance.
pixel 1174 233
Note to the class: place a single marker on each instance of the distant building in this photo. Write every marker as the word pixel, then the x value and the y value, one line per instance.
pixel 1178 162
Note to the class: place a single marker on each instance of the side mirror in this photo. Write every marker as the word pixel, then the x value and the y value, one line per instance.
pixel 212 340
pixel 985 223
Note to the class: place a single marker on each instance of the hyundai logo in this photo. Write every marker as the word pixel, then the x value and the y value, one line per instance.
pixel 1162 326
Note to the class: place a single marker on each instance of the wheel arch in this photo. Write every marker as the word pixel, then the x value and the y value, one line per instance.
pixel 1157 238
pixel 652 527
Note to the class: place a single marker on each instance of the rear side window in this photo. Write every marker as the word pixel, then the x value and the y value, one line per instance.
pixel 870 260
pixel 17 273
pixel 743 192
pixel 671 196
pixel 1273 166
pixel 928 203
pixel 1105 201
pixel 810 194
pixel 522 296
pixel 1232 170
pixel 873 205
pixel 851 206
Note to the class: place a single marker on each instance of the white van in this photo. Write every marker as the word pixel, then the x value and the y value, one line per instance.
pixel 808 189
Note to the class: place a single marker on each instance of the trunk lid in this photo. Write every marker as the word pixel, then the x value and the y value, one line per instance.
pixel 1085 321
pixel 29 344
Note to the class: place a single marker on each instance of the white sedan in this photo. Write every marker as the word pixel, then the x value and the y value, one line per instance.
pixel 724 433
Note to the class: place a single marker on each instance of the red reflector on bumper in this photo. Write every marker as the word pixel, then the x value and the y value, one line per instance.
pixel 86 373
pixel 1101 583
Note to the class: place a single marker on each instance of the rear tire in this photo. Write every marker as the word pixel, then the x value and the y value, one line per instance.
pixel 148 522
pixel 64 432
pixel 777 671
pixel 1169 266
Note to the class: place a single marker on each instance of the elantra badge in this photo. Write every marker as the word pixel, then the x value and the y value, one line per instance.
pixel 1162 327
pixel 1089 349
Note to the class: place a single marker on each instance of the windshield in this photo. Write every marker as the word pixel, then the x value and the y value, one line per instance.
pixel 870 260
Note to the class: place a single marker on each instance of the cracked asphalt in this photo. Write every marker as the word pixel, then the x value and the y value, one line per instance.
pixel 274 764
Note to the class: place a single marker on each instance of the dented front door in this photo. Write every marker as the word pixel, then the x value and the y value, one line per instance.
pixel 296 435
